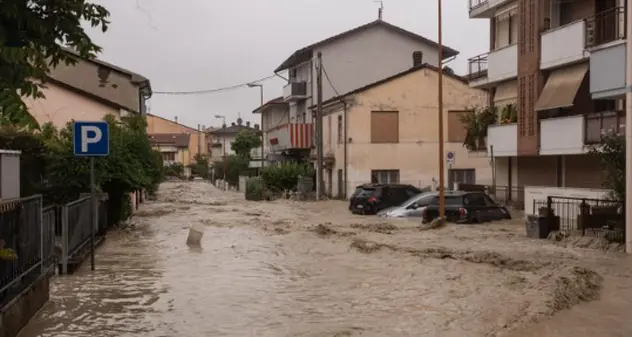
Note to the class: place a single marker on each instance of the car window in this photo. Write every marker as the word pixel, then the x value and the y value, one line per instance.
pixel 411 192
pixel 449 200
pixel 366 192
pixel 489 201
pixel 474 199
pixel 422 199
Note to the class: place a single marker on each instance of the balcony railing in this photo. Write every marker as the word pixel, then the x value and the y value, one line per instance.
pixel 294 91
pixel 601 124
pixel 477 66
pixel 476 3
pixel 605 27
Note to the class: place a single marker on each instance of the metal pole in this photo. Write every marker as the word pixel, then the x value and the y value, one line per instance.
pixel 41 221
pixel 440 108
pixel 263 134
pixel 224 147
pixel 628 132
pixel 319 127
pixel 93 213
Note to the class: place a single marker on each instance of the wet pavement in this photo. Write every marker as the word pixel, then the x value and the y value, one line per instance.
pixel 311 269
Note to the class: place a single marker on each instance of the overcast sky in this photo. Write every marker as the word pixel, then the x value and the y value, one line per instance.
pixel 190 45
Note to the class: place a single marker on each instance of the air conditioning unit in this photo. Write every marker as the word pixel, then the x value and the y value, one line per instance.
pixel 9 174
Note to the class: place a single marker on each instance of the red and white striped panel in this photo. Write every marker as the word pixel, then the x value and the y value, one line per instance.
pixel 300 135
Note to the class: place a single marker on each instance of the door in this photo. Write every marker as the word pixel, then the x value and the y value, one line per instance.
pixel 461 176
pixel 477 207
pixel 340 186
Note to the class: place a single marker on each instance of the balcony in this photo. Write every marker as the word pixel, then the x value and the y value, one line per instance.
pixel 564 45
pixel 562 135
pixel 294 91
pixel 477 70
pixel 502 64
pixel 290 136
pixel 605 27
pixel 502 140
pixel 597 125
pixel 484 8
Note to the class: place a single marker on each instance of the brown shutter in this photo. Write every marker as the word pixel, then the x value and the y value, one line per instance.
pixel 384 127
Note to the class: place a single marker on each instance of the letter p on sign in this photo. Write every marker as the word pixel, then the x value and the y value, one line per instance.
pixel 91 139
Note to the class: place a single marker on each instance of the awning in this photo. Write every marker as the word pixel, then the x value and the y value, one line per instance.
pixel 561 87
pixel 506 93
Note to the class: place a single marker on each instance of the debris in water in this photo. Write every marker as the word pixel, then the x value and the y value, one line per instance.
pixel 365 246
pixel 581 285
pixel 153 213
pixel 324 230
pixel 434 224
pixel 383 227
pixel 196 231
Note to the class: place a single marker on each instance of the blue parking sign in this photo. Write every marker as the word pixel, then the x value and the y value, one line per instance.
pixel 91 139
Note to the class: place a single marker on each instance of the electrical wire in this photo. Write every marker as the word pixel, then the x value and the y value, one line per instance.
pixel 328 80
pixel 210 91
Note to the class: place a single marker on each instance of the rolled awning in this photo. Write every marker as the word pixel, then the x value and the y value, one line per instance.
pixel 506 93
pixel 561 87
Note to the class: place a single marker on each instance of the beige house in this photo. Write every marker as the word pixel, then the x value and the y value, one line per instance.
pixel 157 125
pixel 88 91
pixel 392 133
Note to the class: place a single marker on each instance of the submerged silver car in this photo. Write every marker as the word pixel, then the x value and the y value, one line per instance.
pixel 411 208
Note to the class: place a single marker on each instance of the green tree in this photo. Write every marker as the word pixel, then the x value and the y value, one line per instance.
pixel 30 33
pixel 235 165
pixel 611 153
pixel 245 141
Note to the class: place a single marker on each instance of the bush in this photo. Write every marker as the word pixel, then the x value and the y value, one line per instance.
pixel 255 189
pixel 284 176
pixel 235 166
pixel 174 170
pixel 611 153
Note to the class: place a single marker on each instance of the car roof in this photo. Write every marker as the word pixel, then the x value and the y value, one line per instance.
pixel 374 185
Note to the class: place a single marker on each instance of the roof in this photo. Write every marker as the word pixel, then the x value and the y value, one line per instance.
pixel 83 77
pixel 393 77
pixel 173 122
pixel 306 53
pixel 173 139
pixel 275 101
pixel 231 129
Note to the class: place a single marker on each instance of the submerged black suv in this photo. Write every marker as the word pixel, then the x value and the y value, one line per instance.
pixel 467 207
pixel 372 198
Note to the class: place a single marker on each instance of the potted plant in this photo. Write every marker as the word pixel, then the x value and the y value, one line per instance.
pixel 476 122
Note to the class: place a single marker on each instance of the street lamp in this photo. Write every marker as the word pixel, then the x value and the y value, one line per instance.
pixel 223 118
pixel 260 86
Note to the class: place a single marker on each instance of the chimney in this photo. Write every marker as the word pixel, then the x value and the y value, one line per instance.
pixel 248 123
pixel 256 126
pixel 175 119
pixel 417 58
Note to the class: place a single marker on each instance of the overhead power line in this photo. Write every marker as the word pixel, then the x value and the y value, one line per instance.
pixel 210 91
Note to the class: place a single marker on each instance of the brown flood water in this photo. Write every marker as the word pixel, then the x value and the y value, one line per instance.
pixel 311 269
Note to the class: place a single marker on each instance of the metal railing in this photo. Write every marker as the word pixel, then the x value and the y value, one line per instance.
pixel 477 66
pixel 476 3
pixel 27 244
pixel 584 216
pixel 599 124
pixel 75 232
pixel 605 27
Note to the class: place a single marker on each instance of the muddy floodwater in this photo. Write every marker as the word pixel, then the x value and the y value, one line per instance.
pixel 311 269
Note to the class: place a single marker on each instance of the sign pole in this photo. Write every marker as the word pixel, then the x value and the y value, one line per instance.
pixel 93 212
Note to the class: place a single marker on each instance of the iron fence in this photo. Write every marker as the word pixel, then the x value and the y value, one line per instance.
pixel 582 216
pixel 76 224
pixel 27 245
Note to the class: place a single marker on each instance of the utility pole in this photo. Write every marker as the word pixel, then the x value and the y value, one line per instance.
pixel 319 126
pixel 199 134
pixel 440 107
pixel 628 132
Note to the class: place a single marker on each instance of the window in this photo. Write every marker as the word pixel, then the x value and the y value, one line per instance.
pixel 475 199
pixel 330 134
pixel 168 156
pixel 385 176
pixel 384 126
pixel 461 176
pixel 292 73
pixel 340 133
pixel 506 25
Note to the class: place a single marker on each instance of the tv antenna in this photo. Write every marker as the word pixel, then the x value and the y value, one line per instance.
pixel 380 10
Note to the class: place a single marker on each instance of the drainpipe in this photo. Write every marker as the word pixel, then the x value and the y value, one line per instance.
pixel 628 131
pixel 346 151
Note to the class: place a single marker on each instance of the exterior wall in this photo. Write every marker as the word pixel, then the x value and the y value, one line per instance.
pixel 62 105
pixel 359 60
pixel 607 71
pixel 157 124
pixel 415 155
pixel 274 116
pixel 183 155
pixel 218 152
pixel 571 171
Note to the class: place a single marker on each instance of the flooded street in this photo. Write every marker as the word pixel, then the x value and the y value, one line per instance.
pixel 311 269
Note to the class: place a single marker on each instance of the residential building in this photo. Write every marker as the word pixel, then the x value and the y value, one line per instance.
pixel 174 147
pixel 562 65
pixel 283 140
pixel 157 125
pixel 88 91
pixel 351 60
pixel 225 135
pixel 392 133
